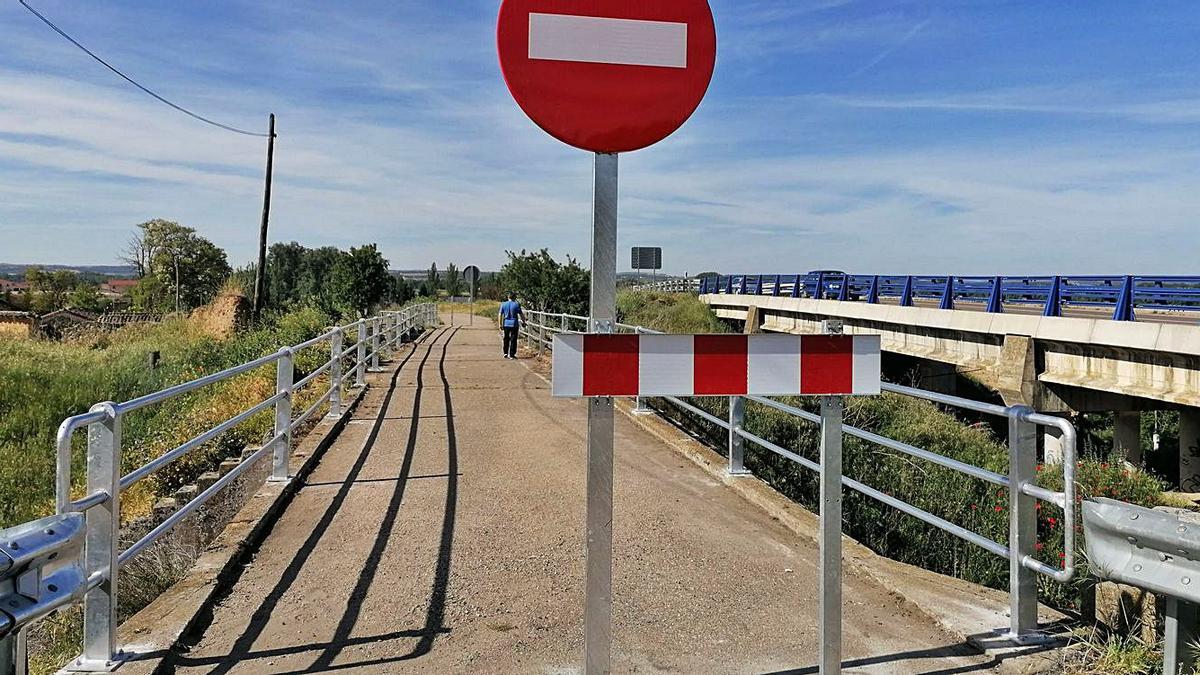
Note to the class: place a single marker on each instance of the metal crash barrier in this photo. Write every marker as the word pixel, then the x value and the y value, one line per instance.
pixel 74 555
pixel 1155 550
pixel 1023 428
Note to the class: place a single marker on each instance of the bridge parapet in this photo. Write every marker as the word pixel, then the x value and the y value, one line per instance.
pixel 1121 298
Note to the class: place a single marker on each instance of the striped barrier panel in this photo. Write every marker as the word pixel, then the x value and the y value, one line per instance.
pixel 715 365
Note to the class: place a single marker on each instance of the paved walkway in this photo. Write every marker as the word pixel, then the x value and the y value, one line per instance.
pixel 442 533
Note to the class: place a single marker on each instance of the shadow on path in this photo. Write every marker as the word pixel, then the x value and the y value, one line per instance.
pixel 261 618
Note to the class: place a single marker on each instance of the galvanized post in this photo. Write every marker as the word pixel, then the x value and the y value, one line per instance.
pixel 737 444
pixel 360 362
pixel 1022 525
pixel 103 525
pixel 8 655
pixel 562 323
pixel 831 535
pixel 597 621
pixel 335 373
pixel 541 336
pixel 375 325
pixel 640 407
pixel 1180 635
pixel 284 374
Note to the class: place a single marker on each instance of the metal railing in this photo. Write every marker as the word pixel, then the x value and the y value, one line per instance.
pixel 671 286
pixel 100 507
pixel 1023 492
pixel 1123 295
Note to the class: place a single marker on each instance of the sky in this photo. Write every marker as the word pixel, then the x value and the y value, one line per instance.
pixel 957 136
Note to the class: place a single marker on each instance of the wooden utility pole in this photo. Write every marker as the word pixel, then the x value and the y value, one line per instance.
pixel 260 274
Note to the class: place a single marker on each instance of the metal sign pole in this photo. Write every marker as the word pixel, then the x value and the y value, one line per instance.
pixel 597 621
pixel 831 535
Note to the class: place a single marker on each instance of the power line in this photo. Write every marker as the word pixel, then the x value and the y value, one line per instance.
pixel 130 80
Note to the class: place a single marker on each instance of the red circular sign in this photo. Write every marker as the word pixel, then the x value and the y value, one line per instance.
pixel 607 75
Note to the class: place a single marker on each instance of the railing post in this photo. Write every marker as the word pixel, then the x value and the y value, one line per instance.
pixel 948 294
pixel 360 361
pixel 284 377
pixel 640 407
pixel 103 525
pixel 335 373
pixel 541 336
pixel 1125 302
pixel 1054 298
pixel 832 408
pixel 873 291
pixel 906 295
pixel 376 324
pixel 1022 524
pixel 737 444
pixel 996 299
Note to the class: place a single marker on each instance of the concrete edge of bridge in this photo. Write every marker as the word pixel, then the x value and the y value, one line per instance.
pixel 973 614
pixel 150 635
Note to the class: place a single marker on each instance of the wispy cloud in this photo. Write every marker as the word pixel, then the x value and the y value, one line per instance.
pixel 912 33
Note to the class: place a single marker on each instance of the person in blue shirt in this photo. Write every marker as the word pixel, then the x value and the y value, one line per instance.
pixel 510 321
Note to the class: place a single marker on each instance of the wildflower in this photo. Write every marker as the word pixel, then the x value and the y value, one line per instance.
pixel 999 508
pixel 974 506
pixel 1039 546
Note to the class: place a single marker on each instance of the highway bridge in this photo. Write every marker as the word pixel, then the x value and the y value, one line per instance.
pixel 432 523
pixel 1065 345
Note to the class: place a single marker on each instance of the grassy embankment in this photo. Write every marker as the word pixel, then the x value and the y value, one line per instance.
pixel 41 383
pixel 974 504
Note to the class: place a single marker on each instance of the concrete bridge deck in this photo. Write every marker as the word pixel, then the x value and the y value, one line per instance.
pixel 442 533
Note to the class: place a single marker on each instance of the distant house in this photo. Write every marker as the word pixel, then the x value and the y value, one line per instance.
pixel 65 322
pixel 118 287
pixel 9 286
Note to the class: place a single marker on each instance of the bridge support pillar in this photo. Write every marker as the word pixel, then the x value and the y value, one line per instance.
pixel 1127 436
pixel 1189 449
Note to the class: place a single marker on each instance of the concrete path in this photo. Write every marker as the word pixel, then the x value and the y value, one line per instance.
pixel 442 533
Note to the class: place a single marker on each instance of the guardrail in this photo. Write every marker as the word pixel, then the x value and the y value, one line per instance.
pixel 1124 295
pixel 671 286
pixel 98 513
pixel 1023 426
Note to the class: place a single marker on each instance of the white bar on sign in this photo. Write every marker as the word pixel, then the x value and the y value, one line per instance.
pixel 593 39
pixel 566 366
pixel 666 365
pixel 867 364
pixel 773 362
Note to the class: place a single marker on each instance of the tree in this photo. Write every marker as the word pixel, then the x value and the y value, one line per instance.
pixel 185 269
pixel 432 281
pixel 48 290
pixel 401 290
pixel 86 297
pixel 316 277
pixel 361 279
pixel 453 281
pixel 285 264
pixel 545 284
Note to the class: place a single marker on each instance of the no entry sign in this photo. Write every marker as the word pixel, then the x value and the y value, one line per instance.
pixel 607 75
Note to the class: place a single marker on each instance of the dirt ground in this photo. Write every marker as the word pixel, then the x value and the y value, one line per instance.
pixel 443 533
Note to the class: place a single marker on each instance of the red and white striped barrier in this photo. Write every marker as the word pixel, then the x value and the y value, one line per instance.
pixel 715 365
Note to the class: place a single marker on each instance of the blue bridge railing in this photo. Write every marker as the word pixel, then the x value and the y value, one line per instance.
pixel 1125 295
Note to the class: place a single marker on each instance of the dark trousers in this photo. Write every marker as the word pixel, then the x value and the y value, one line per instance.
pixel 510 341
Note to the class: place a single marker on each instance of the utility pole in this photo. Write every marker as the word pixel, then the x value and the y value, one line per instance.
pixel 260 274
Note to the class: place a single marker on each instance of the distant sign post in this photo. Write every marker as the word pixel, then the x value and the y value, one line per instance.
pixel 646 258
pixel 606 76
pixel 471 274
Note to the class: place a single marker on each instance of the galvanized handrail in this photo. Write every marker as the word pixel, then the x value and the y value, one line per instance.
pixel 1023 422
pixel 100 507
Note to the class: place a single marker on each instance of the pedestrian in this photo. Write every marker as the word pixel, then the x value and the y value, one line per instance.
pixel 510 322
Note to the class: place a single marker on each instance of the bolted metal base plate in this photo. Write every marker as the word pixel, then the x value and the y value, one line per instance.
pixel 738 474
pixel 82 665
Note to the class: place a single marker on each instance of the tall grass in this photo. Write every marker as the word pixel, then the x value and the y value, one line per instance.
pixel 41 383
pixel 977 505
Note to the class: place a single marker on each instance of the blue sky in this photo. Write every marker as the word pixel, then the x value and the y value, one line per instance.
pixel 964 137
